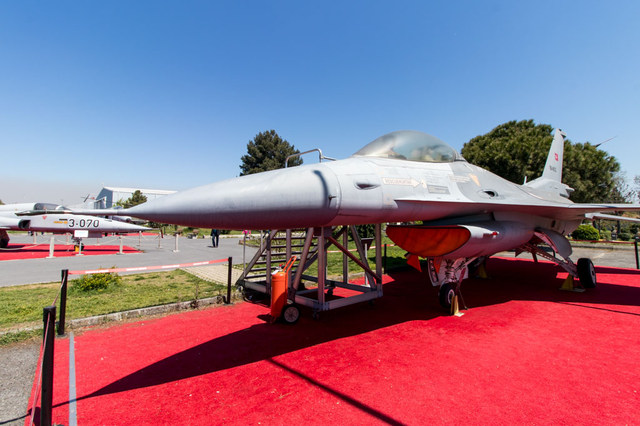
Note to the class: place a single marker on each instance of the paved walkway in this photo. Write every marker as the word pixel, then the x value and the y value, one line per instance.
pixel 618 257
pixel 155 252
pixel 18 370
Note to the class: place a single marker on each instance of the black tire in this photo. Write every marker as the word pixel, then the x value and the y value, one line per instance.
pixel 4 243
pixel 290 314
pixel 254 296
pixel 445 295
pixel 587 273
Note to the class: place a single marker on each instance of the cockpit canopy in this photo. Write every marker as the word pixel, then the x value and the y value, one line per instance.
pixel 410 145
pixel 48 206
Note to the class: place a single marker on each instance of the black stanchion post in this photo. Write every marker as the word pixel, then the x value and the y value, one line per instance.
pixel 635 243
pixel 63 301
pixel 228 301
pixel 46 399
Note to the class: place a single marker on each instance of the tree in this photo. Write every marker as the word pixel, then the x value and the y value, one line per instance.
pixel 267 151
pixel 518 149
pixel 136 198
pixel 586 232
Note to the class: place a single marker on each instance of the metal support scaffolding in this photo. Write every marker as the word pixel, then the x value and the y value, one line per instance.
pixel 315 250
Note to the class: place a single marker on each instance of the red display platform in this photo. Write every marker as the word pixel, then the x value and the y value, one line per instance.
pixel 524 353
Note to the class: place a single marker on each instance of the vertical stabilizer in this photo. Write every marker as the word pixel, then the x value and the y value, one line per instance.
pixel 551 179
pixel 553 166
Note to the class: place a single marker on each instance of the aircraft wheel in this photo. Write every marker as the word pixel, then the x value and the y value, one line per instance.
pixel 445 294
pixel 4 243
pixel 586 273
pixel 290 314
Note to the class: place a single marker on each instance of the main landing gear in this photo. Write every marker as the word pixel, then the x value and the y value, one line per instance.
pixel 448 274
pixel 446 293
pixel 586 273
pixel 583 270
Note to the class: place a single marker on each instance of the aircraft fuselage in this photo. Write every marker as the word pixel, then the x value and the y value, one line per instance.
pixel 353 191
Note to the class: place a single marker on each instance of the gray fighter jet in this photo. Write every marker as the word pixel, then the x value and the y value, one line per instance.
pixel 48 217
pixel 467 213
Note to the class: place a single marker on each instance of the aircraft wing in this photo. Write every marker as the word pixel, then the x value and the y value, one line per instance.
pixel 89 212
pixel 543 208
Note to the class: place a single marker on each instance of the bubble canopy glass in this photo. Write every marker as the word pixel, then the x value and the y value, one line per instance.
pixel 410 145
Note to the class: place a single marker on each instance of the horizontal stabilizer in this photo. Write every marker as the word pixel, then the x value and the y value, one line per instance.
pixel 611 217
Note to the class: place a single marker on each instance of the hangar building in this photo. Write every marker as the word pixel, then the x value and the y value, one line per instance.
pixel 110 195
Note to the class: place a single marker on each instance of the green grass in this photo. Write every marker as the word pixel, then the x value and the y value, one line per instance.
pixel 19 336
pixel 21 306
pixel 395 259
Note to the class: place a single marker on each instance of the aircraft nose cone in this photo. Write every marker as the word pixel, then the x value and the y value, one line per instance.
pixel 286 198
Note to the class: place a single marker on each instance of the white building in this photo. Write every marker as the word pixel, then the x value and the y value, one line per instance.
pixel 108 196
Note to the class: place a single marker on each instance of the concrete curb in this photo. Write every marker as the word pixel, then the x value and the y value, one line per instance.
pixel 605 246
pixel 151 310
pixel 136 313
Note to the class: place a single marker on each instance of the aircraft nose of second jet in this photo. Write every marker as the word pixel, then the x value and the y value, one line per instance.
pixel 295 197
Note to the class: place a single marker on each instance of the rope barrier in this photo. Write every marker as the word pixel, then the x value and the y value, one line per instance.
pixel 57 295
pixel 354 250
pixel 147 268
pixel 24 247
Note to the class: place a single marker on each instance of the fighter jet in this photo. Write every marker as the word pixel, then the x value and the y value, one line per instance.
pixel 466 213
pixel 48 217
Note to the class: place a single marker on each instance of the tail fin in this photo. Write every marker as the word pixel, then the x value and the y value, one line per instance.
pixel 551 179
pixel 553 166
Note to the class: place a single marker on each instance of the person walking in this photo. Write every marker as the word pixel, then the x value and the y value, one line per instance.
pixel 215 237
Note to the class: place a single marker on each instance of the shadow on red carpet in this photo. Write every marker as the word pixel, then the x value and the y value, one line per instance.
pixel 524 352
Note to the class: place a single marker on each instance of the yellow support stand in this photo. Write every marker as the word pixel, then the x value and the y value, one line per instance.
pixel 567 285
pixel 455 311
pixel 481 272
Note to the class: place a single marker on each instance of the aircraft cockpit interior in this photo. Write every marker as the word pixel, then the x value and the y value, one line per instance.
pixel 48 206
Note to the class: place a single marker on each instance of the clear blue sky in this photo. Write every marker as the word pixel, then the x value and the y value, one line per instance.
pixel 166 95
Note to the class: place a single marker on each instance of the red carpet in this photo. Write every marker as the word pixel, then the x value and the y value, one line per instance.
pixel 524 353
pixel 25 251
